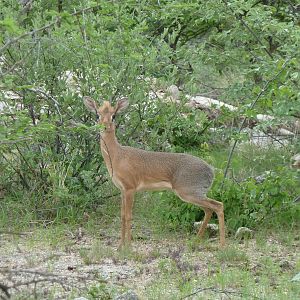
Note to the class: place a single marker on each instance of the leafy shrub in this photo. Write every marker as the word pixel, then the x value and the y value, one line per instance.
pixel 174 213
pixel 168 126
pixel 250 203
pixel 246 203
pixel 51 162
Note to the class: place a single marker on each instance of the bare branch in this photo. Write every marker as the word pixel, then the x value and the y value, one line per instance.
pixel 249 29
pixel 15 141
pixel 34 278
pixel 5 289
pixel 219 291
pixel 245 118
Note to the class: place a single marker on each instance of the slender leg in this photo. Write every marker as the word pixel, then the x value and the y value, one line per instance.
pixel 220 214
pixel 128 214
pixel 123 220
pixel 208 214
pixel 207 204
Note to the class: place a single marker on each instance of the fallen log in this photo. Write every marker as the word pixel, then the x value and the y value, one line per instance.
pixel 214 108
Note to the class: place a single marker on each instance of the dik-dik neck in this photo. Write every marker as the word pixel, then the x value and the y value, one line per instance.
pixel 109 143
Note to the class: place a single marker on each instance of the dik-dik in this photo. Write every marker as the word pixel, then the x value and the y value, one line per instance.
pixel 134 170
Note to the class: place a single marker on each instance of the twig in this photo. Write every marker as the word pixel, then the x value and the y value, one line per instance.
pixel 12 232
pixel 23 179
pixel 45 95
pixel 15 141
pixel 5 289
pixel 219 291
pixel 44 274
pixel 2 74
pixel 84 36
pixel 239 17
pixel 274 138
pixel 110 196
pixel 245 118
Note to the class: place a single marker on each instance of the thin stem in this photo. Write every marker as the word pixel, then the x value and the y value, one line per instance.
pixel 245 119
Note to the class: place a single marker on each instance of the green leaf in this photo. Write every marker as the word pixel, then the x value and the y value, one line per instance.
pixel 10 25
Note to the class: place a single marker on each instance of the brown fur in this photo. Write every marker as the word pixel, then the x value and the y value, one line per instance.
pixel 133 170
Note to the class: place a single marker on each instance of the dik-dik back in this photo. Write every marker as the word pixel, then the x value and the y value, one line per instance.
pixel 176 169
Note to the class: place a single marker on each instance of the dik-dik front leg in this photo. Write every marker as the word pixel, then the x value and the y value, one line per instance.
pixel 123 222
pixel 126 216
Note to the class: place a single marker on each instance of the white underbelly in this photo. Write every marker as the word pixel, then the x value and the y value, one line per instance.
pixel 117 183
pixel 145 186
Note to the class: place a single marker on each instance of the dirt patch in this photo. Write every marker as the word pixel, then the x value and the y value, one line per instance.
pixel 70 270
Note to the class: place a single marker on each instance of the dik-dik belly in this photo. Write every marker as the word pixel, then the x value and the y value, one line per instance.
pixel 160 185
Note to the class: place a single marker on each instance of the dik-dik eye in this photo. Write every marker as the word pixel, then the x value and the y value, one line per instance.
pixel 113 117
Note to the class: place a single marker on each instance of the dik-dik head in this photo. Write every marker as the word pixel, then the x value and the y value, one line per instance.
pixel 106 111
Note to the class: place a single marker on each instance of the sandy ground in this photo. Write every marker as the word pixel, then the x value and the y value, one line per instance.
pixel 44 271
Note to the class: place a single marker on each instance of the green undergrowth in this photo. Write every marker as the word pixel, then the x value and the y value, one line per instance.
pixel 259 191
pixel 230 272
pixel 255 202
pixel 173 264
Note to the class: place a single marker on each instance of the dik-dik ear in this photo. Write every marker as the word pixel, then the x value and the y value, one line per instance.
pixel 90 104
pixel 121 104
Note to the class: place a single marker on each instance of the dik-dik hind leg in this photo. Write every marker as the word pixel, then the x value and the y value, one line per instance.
pixel 209 206
pixel 218 208
pixel 208 214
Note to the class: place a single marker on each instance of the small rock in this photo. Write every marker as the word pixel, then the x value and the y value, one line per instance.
pixel 296 277
pixel 212 229
pixel 259 179
pixel 81 298
pixel 296 161
pixel 174 92
pixel 243 233
pixel 129 295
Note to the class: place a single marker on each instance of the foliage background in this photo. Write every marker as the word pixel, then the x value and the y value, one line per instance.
pixel 243 52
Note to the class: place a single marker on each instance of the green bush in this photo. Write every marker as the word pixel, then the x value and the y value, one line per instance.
pixel 175 214
pixel 50 161
pixel 246 203
pixel 174 127
pixel 251 203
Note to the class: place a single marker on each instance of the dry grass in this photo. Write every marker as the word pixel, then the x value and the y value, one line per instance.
pixel 172 267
